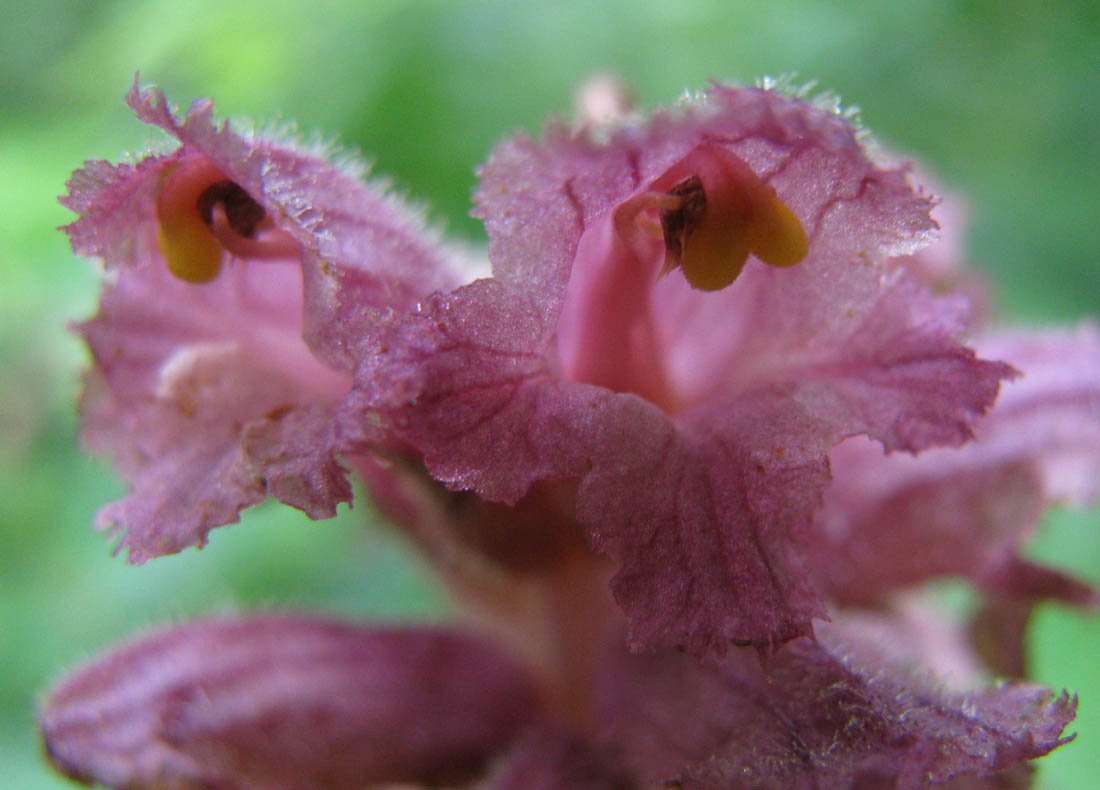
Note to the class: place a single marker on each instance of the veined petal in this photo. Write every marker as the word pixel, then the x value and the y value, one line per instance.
pixel 832 714
pixel 893 521
pixel 943 266
pixel 363 252
pixel 286 701
pixel 698 491
pixel 243 271
pixel 207 400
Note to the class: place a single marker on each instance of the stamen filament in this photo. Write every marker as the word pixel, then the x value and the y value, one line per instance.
pixel 202 215
pixel 268 242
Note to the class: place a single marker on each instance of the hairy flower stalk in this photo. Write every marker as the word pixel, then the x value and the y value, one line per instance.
pixel 684 459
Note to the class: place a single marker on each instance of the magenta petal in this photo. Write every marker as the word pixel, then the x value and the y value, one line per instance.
pixel 692 517
pixel 210 397
pixel 294 448
pixel 892 521
pixel 700 505
pixel 709 528
pixel 115 204
pixel 698 509
pixel 822 716
pixel 208 401
pixel 703 516
pixel 286 701
pixel 1052 414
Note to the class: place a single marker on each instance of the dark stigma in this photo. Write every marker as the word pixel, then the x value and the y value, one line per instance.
pixel 244 213
pixel 678 223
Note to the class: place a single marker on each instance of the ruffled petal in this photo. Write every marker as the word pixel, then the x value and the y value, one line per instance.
pixel 829 715
pixel 699 505
pixel 538 199
pixel 212 396
pixel 286 701
pixel 208 400
pixel 893 521
pixel 944 267
pixel 363 251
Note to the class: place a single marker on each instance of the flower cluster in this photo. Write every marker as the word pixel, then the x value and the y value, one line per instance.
pixel 684 452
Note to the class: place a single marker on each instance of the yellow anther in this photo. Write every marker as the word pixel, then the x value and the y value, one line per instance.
pixel 723 213
pixel 190 249
pixel 777 237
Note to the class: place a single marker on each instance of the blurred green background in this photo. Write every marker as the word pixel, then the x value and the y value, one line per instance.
pixel 1001 100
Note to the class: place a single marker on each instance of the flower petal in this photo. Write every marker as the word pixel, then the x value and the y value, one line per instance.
pixel 212 396
pixel 208 400
pixel 286 701
pixel 537 200
pixel 698 505
pixel 893 521
pixel 363 252
pixel 830 715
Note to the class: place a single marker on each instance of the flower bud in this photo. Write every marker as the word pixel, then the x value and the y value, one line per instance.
pixel 285 702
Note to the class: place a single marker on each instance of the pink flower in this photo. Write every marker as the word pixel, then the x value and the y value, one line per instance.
pixel 210 397
pixel 277 701
pixel 659 423
pixel 694 406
